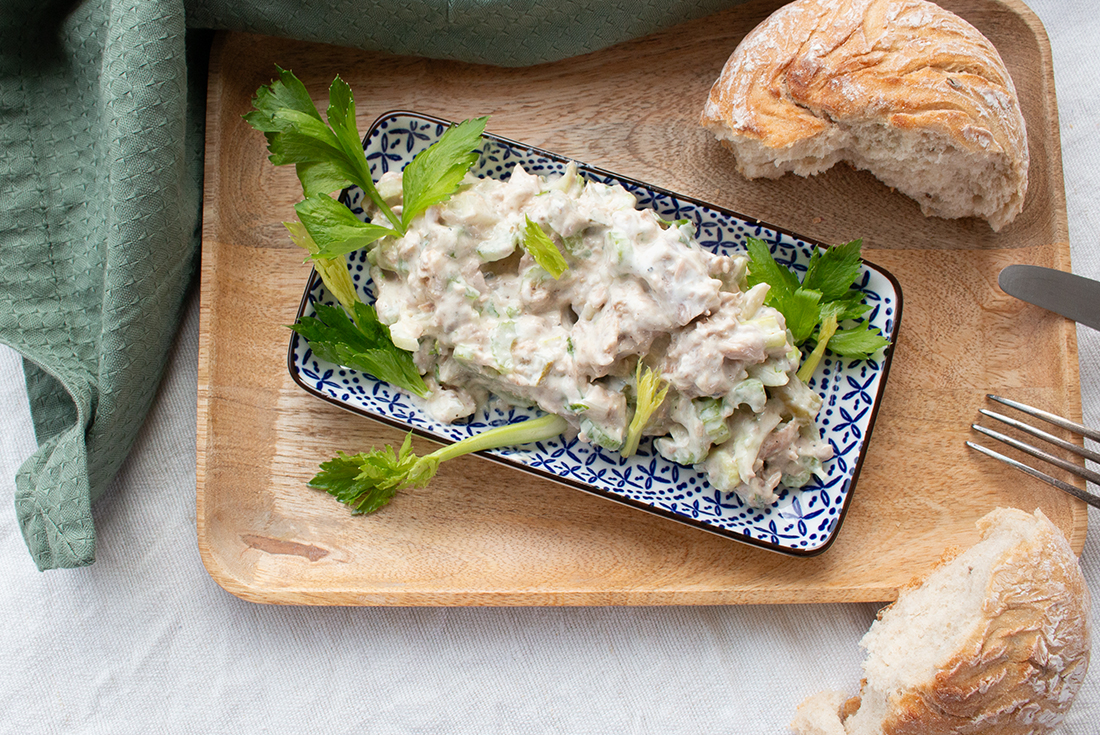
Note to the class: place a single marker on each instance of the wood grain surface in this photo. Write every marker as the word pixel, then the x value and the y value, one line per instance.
pixel 482 534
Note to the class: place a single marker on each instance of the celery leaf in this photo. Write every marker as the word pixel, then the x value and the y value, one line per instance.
pixel 366 481
pixel 369 480
pixel 436 172
pixel 833 271
pixel 802 312
pixel 328 156
pixel 333 227
pixel 363 344
pixel 543 249
pixel 858 342
pixel 763 269
pixel 815 308
pixel 334 271
pixel 650 393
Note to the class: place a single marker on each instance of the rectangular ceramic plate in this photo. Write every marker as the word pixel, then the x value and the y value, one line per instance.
pixel 801 522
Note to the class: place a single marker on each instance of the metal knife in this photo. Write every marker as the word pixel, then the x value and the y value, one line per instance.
pixel 1074 297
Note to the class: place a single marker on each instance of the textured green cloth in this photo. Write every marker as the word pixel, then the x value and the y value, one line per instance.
pixel 101 106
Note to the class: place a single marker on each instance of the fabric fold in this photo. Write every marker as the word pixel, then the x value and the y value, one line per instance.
pixel 97 243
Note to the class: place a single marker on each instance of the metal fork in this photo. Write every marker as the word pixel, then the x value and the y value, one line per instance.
pixel 1090 475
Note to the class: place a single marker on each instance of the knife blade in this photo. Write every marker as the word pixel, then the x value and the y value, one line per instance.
pixel 1074 297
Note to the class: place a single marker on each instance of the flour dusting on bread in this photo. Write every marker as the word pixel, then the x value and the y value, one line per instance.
pixel 902 88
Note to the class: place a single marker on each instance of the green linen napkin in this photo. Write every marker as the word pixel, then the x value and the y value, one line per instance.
pixel 101 109
pixel 100 205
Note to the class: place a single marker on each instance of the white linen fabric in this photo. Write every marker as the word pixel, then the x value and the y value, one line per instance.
pixel 145 641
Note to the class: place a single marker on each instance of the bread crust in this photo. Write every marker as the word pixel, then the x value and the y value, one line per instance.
pixel 1020 670
pixel 1014 667
pixel 807 87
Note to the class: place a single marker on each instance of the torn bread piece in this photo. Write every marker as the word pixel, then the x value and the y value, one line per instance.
pixel 902 88
pixel 995 640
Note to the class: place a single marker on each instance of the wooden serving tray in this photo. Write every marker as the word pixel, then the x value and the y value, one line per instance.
pixel 482 534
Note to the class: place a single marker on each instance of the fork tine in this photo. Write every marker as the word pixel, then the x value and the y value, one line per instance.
pixel 1087 474
pixel 1083 472
pixel 1048 417
pixel 1063 486
pixel 1039 433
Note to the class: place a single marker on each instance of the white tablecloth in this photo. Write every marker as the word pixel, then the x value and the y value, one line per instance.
pixel 144 641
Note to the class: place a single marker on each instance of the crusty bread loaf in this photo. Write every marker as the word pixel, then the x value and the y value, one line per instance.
pixel 902 88
pixel 995 641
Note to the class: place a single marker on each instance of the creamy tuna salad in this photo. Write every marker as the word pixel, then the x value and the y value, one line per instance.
pixel 461 291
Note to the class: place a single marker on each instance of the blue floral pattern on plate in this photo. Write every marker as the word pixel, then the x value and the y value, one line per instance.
pixel 802 522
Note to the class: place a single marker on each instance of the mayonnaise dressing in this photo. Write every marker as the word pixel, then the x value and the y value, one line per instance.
pixel 482 317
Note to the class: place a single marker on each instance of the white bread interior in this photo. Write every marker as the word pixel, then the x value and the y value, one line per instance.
pixel 996 640
pixel 902 88
pixel 821 714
